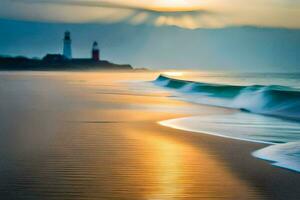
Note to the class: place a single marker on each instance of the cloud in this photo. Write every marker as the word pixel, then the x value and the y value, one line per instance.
pixel 115 11
pixel 183 13
pixel 119 5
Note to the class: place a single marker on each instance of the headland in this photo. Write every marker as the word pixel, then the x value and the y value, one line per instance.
pixel 58 62
pixel 64 61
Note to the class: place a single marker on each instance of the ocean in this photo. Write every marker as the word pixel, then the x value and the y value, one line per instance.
pixel 266 105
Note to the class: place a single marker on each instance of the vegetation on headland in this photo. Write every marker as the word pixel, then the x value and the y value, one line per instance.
pixel 58 62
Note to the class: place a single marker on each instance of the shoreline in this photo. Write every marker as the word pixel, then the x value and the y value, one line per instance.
pixel 269 179
pixel 280 153
pixel 167 124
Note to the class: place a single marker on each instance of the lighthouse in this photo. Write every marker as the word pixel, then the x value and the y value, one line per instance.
pixel 95 52
pixel 67 45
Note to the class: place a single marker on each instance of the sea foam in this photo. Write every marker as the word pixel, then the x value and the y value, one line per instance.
pixel 282 155
pixel 279 133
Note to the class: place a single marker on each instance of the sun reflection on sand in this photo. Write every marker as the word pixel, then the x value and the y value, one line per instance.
pixel 166 163
pixel 169 164
pixel 179 169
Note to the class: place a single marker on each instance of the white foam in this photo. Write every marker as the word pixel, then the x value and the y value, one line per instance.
pixel 253 128
pixel 282 155
pixel 253 101
pixel 242 126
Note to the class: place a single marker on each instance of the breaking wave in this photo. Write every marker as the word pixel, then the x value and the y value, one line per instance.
pixel 276 100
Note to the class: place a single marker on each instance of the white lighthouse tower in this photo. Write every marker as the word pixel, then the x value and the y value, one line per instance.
pixel 67 45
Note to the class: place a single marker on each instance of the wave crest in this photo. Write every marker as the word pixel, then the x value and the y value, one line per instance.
pixel 273 100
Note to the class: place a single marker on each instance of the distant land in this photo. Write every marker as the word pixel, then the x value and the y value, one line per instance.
pixel 57 63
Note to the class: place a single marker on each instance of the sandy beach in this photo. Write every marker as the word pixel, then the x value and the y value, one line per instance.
pixel 75 135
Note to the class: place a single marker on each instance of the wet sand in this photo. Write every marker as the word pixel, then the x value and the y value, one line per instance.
pixel 89 136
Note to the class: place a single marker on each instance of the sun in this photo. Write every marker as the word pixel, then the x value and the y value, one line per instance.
pixel 174 5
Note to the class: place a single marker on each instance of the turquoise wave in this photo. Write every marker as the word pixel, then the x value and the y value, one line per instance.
pixel 276 100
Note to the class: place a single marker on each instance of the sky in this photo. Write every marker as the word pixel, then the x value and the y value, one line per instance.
pixel 259 35
pixel 183 13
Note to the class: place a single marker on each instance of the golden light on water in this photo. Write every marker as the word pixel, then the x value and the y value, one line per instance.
pixel 173 73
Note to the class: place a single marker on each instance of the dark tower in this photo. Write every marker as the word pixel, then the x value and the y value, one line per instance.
pixel 95 52
pixel 67 51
